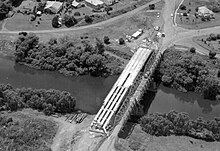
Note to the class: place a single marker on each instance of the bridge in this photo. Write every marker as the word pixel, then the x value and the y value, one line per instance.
pixel 116 102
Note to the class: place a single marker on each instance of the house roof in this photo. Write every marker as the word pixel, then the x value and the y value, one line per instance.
pixel 204 10
pixel 53 6
pixel 136 34
pixel 95 2
pixel 75 4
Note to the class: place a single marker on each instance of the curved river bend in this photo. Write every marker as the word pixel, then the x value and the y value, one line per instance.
pixel 91 91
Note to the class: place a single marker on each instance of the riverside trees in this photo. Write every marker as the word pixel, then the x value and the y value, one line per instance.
pixel 62 55
pixel 48 101
pixel 166 124
pixel 187 71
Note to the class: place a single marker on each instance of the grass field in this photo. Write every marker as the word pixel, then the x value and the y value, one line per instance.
pixel 213 45
pixel 193 22
pixel 140 141
pixel 21 131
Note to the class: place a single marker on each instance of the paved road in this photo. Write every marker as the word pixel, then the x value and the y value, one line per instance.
pixel 88 26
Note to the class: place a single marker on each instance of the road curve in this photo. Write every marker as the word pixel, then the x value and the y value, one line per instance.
pixel 85 27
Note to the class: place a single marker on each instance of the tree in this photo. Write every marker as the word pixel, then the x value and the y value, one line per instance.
pixel 213 37
pixel 5 7
pixel 192 50
pixel 77 14
pixel 100 46
pixel 182 7
pixel 55 22
pixel 121 41
pixel 152 6
pixel 212 54
pixel 106 40
pixel 88 19
pixel 69 20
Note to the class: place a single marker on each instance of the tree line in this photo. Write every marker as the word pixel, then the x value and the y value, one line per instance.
pixel 174 123
pixel 64 56
pixel 187 71
pixel 48 101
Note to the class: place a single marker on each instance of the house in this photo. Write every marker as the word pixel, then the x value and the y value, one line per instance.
pixel 204 11
pixel 53 6
pixel 75 4
pixel 137 34
pixel 95 4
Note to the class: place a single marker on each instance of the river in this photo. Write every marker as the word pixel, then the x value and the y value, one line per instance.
pixel 91 91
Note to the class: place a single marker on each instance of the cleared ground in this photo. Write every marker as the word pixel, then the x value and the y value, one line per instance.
pixel 141 141
pixel 191 21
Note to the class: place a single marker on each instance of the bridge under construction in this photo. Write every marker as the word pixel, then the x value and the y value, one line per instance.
pixel 124 87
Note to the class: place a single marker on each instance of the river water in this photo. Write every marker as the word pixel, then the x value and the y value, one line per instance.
pixel 91 91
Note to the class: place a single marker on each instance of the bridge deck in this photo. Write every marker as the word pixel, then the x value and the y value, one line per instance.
pixel 120 90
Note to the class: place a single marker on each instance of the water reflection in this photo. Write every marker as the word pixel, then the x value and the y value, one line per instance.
pixel 167 99
pixel 192 98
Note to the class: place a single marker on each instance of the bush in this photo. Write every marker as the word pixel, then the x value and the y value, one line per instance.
pixel 121 41
pixel 88 19
pixel 55 22
pixel 182 7
pixel 106 40
pixel 192 50
pixel 219 73
pixel 69 21
pixel 185 14
pixel 77 14
pixel 212 54
pixel 166 124
pixel 213 37
pixel 152 6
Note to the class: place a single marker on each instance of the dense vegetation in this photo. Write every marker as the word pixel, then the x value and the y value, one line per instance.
pixel 6 6
pixel 64 56
pixel 48 101
pixel 174 123
pixel 186 71
pixel 26 134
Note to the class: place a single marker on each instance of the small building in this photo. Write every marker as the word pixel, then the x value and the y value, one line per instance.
pixel 137 34
pixel 53 6
pixel 204 11
pixel 109 2
pixel 95 4
pixel 75 4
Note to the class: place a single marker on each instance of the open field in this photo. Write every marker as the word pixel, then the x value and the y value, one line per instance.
pixel 192 21
pixel 141 141
pixel 208 43
pixel 21 131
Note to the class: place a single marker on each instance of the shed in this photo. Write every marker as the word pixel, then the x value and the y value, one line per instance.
pixel 96 4
pixel 75 4
pixel 137 34
pixel 53 6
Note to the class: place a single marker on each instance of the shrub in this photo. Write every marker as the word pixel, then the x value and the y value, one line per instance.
pixel 121 41
pixel 185 14
pixel 88 19
pixel 192 50
pixel 212 54
pixel 182 7
pixel 213 37
pixel 152 6
pixel 69 20
pixel 106 40
pixel 55 22
pixel 77 14
pixel 219 73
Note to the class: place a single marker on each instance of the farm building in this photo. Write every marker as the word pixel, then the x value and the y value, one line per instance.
pixel 75 4
pixel 204 11
pixel 53 6
pixel 95 4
